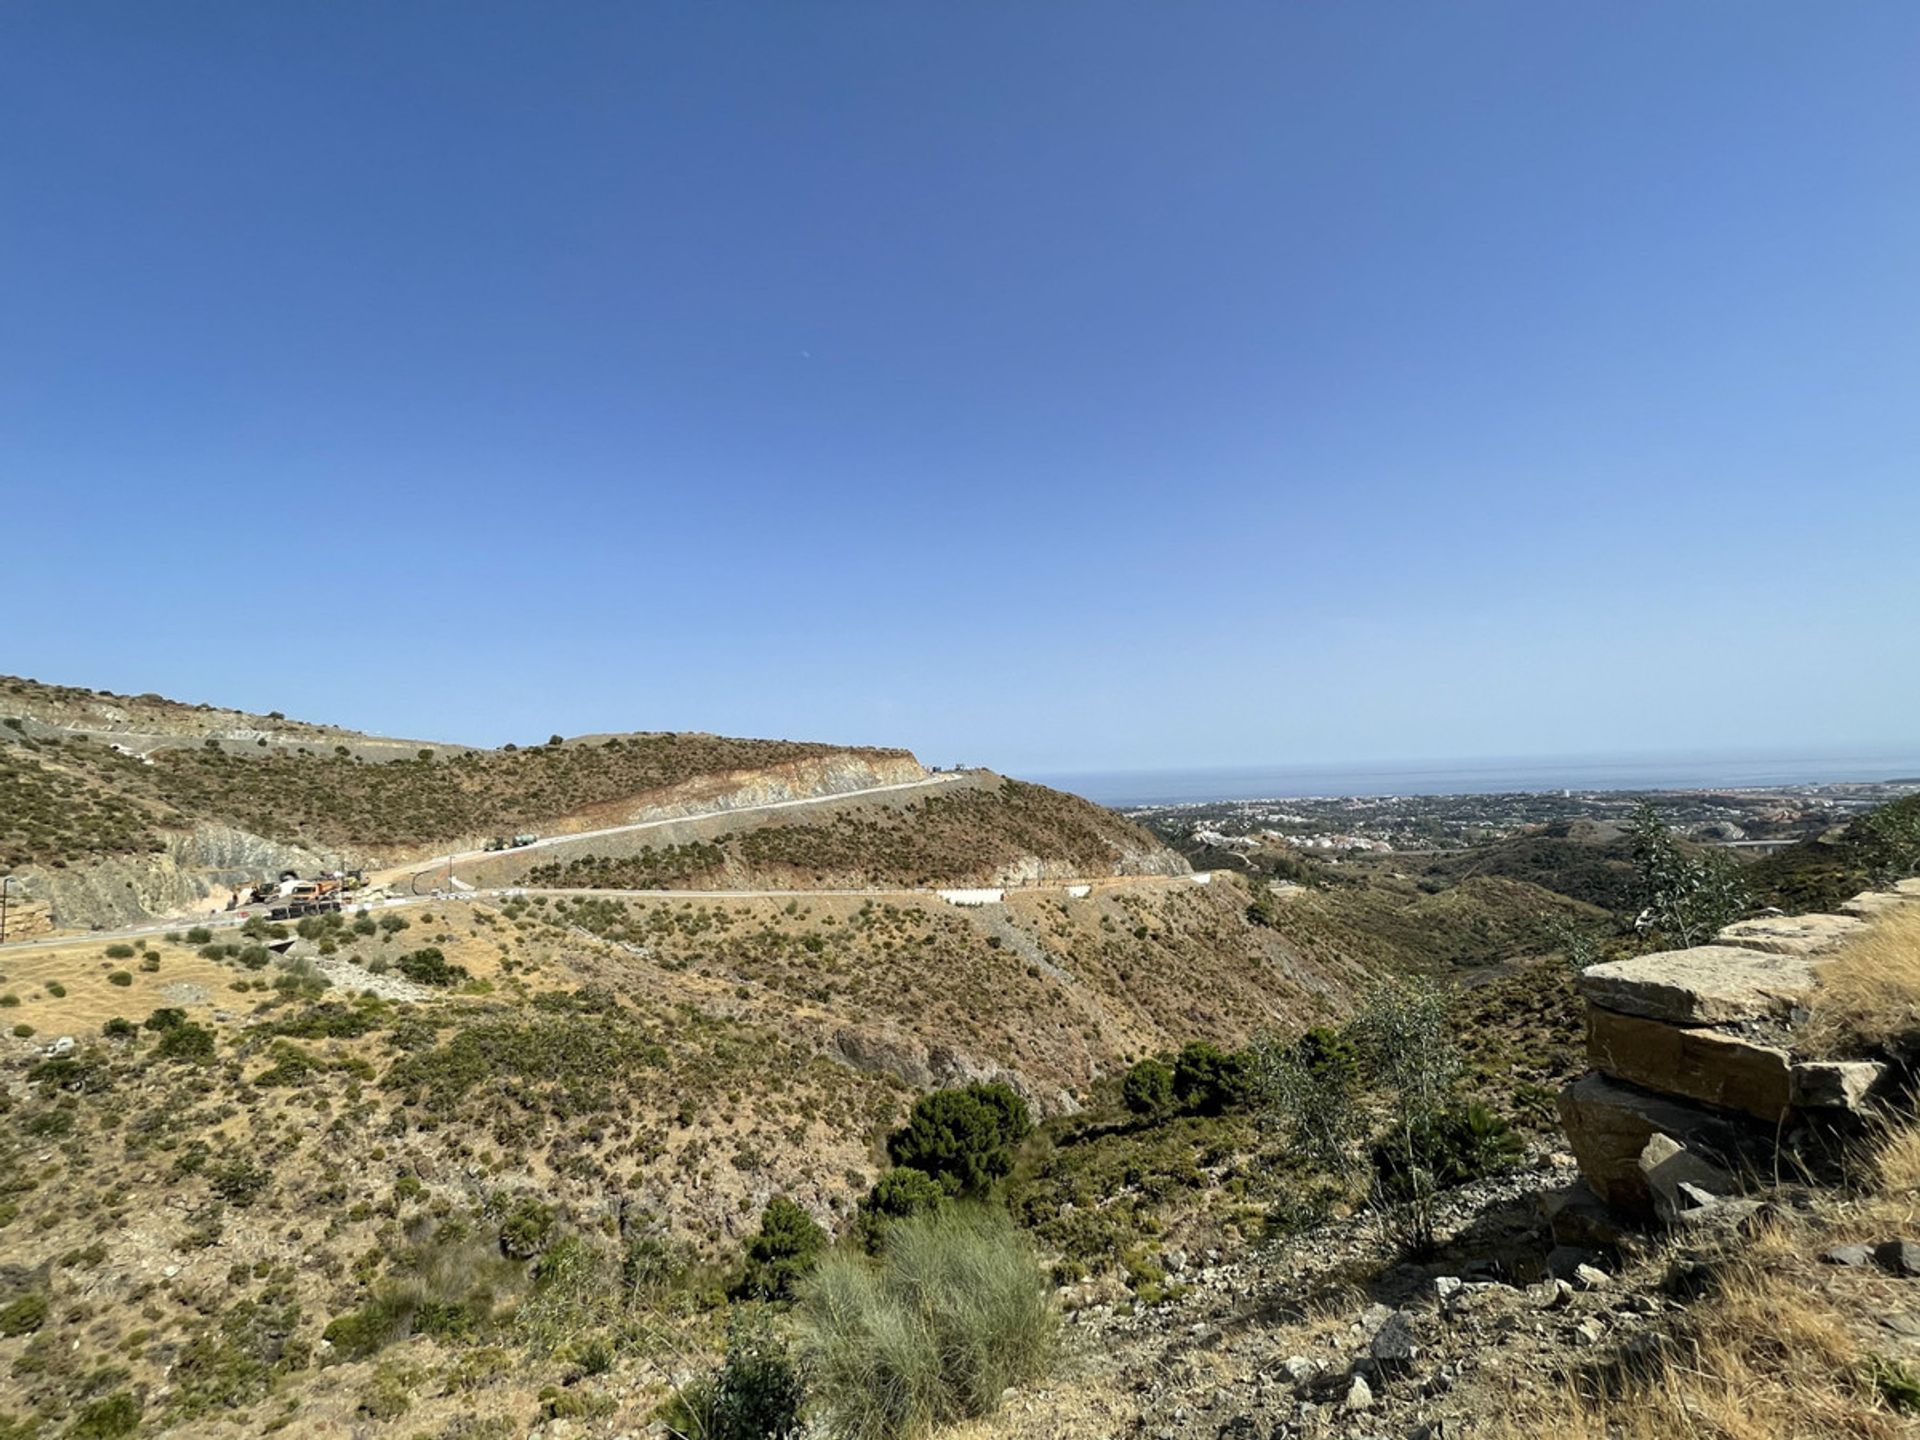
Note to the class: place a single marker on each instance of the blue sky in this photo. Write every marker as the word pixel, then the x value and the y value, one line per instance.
pixel 1052 387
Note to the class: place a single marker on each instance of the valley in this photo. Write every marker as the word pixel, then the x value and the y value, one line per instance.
pixel 504 1136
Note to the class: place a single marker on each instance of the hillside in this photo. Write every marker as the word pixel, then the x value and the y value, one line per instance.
pixel 236 1160
pixel 118 808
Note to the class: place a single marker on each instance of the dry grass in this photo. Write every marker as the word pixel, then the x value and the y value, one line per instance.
pixel 1768 1358
pixel 1869 992
pixel 1780 1347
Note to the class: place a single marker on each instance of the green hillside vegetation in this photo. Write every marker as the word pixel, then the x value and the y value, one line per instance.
pixel 1578 859
pixel 1400 923
pixel 78 797
pixel 962 838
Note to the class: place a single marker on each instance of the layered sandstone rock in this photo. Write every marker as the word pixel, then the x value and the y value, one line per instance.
pixel 1695 1081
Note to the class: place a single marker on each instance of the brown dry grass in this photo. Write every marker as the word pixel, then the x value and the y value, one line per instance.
pixel 1781 1348
pixel 1869 990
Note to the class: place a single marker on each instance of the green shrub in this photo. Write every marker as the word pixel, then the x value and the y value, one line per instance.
pixel 899 1194
pixel 56 989
pixel 186 1041
pixel 23 1030
pixel 527 1229
pixel 119 977
pixel 954 1314
pixel 199 935
pixel 1208 1080
pixel 1461 1144
pixel 23 1316
pixel 429 966
pixel 119 1027
pixel 9 1000
pixel 1148 1089
pixel 755 1395
pixel 785 1249
pixel 118 1414
pixel 150 961
pixel 964 1138
pixel 119 952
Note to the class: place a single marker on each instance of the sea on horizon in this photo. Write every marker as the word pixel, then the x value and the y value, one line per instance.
pixel 1484 776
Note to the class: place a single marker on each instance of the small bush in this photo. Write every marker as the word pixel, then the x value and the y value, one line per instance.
pixel 954 1314
pixel 429 967
pixel 785 1249
pixel 756 1395
pixel 899 1194
pixel 199 935
pixel 119 952
pixel 23 1030
pixel 1208 1080
pixel 1148 1089
pixel 118 1414
pixel 23 1316
pixel 186 1041
pixel 527 1230
pixel 120 977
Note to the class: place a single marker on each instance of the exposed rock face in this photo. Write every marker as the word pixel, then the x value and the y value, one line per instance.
pixel 194 872
pixel 1695 1062
pixel 1609 1123
pixel 1707 985
pixel 1695 1078
pixel 1834 1084
pixel 1792 934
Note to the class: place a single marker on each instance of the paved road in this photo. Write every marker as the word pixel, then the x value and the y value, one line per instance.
pixel 440 866
pixel 235 918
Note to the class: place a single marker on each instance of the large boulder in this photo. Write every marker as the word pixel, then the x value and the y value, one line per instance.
pixel 1707 985
pixel 1609 1123
pixel 1710 1066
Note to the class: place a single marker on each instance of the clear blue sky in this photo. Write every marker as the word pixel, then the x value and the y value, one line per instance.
pixel 1047 386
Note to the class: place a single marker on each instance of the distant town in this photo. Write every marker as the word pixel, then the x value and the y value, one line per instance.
pixel 1748 818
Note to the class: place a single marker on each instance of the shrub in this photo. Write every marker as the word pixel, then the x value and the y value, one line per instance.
pixel 756 1394
pixel 955 1313
pixel 119 977
pixel 899 1194
pixel 964 1138
pixel 118 1414
pixel 150 961
pixel 23 1030
pixel 1685 896
pixel 1148 1089
pixel 199 935
pixel 23 1316
pixel 1460 1144
pixel 1208 1080
pixel 119 952
pixel 527 1229
pixel 119 1027
pixel 788 1244
pixel 186 1041
pixel 429 967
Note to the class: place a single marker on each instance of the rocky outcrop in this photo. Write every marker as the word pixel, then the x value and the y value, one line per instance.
pixel 193 874
pixel 1707 985
pixel 1696 1079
